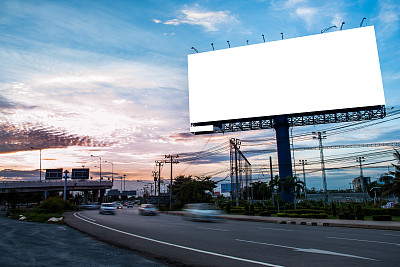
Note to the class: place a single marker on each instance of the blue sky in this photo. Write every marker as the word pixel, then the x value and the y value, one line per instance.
pixel 109 78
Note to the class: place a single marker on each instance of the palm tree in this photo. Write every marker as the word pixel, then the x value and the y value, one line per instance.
pixel 292 183
pixel 275 183
pixel 394 187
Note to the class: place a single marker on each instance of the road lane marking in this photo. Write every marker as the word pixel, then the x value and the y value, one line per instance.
pixel 213 229
pixel 391 234
pixel 93 220
pixel 179 246
pixel 308 250
pixel 275 229
pixel 362 240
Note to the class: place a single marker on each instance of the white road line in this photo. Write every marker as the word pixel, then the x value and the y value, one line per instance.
pixel 275 229
pixel 308 250
pixel 90 219
pixel 213 229
pixel 362 240
pixel 179 246
pixel 391 234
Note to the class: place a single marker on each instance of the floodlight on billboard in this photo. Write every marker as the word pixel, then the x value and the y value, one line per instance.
pixel 325 72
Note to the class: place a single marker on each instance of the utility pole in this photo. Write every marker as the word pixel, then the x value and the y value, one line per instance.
pixel 236 144
pixel 159 163
pixel 304 162
pixel 272 177
pixel 363 186
pixel 65 184
pixel 124 182
pixel 171 157
pixel 320 136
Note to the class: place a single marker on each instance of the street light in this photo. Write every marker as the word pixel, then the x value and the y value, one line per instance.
pixel 40 164
pixel 100 164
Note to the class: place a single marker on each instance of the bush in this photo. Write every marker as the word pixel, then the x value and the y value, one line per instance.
pixel 265 213
pixel 393 211
pixel 249 213
pixel 333 209
pixel 315 216
pixel 381 217
pixel 347 216
pixel 374 211
pixel 55 205
pixel 282 214
pixel 358 212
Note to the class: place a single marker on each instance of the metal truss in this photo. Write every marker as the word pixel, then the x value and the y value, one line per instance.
pixel 302 119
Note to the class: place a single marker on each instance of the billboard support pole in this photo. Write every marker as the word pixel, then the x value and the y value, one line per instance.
pixel 281 126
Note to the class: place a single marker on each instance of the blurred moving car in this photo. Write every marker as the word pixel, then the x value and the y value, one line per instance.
pixel 130 205
pixel 107 208
pixel 202 212
pixel 90 206
pixel 117 205
pixel 148 209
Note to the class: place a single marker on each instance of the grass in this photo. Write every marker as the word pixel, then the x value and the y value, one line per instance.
pixel 32 216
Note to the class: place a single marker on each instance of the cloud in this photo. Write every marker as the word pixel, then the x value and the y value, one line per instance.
pixel 210 20
pixel 307 14
pixel 15 138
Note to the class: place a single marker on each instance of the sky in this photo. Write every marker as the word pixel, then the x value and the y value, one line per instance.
pixel 109 79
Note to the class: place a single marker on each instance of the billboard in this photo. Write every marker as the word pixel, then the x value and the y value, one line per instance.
pixel 81 173
pixel 226 188
pixel 54 174
pixel 324 72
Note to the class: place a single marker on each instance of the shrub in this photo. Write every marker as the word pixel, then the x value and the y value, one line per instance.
pixel 228 207
pixel 333 209
pixel 55 205
pixel 282 214
pixel 381 217
pixel 248 213
pixel 265 213
pixel 374 211
pixel 393 211
pixel 358 212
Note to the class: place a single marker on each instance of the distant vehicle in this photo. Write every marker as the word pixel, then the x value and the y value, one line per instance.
pixel 107 208
pixel 148 209
pixel 125 204
pixel 90 206
pixel 130 205
pixel 117 205
pixel 202 212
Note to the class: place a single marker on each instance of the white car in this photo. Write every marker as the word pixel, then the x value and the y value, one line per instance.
pixel 107 208
pixel 202 212
pixel 148 209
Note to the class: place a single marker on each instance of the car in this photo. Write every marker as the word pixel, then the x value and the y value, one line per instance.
pixel 90 206
pixel 107 208
pixel 202 212
pixel 148 209
pixel 130 205
pixel 117 205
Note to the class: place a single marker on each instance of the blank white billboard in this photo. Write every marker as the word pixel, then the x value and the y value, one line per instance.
pixel 323 72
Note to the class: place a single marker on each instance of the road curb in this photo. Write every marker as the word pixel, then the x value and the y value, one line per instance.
pixel 394 226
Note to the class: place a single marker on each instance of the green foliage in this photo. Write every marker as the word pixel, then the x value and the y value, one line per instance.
pixel 381 217
pixel 55 205
pixel 333 209
pixel 265 213
pixel 187 189
pixel 358 212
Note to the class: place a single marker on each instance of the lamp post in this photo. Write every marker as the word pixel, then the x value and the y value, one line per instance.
pixel 40 163
pixel 100 164
pixel 363 187
pixel 65 184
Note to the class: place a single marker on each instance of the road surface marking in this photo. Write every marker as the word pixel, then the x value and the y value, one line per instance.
pixel 275 229
pixel 362 240
pixel 391 234
pixel 179 246
pixel 308 250
pixel 214 229
pixel 93 220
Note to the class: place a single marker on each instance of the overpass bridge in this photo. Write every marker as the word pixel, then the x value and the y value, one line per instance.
pixel 58 185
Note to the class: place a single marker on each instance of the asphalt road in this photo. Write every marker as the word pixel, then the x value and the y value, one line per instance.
pixel 39 244
pixel 240 243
